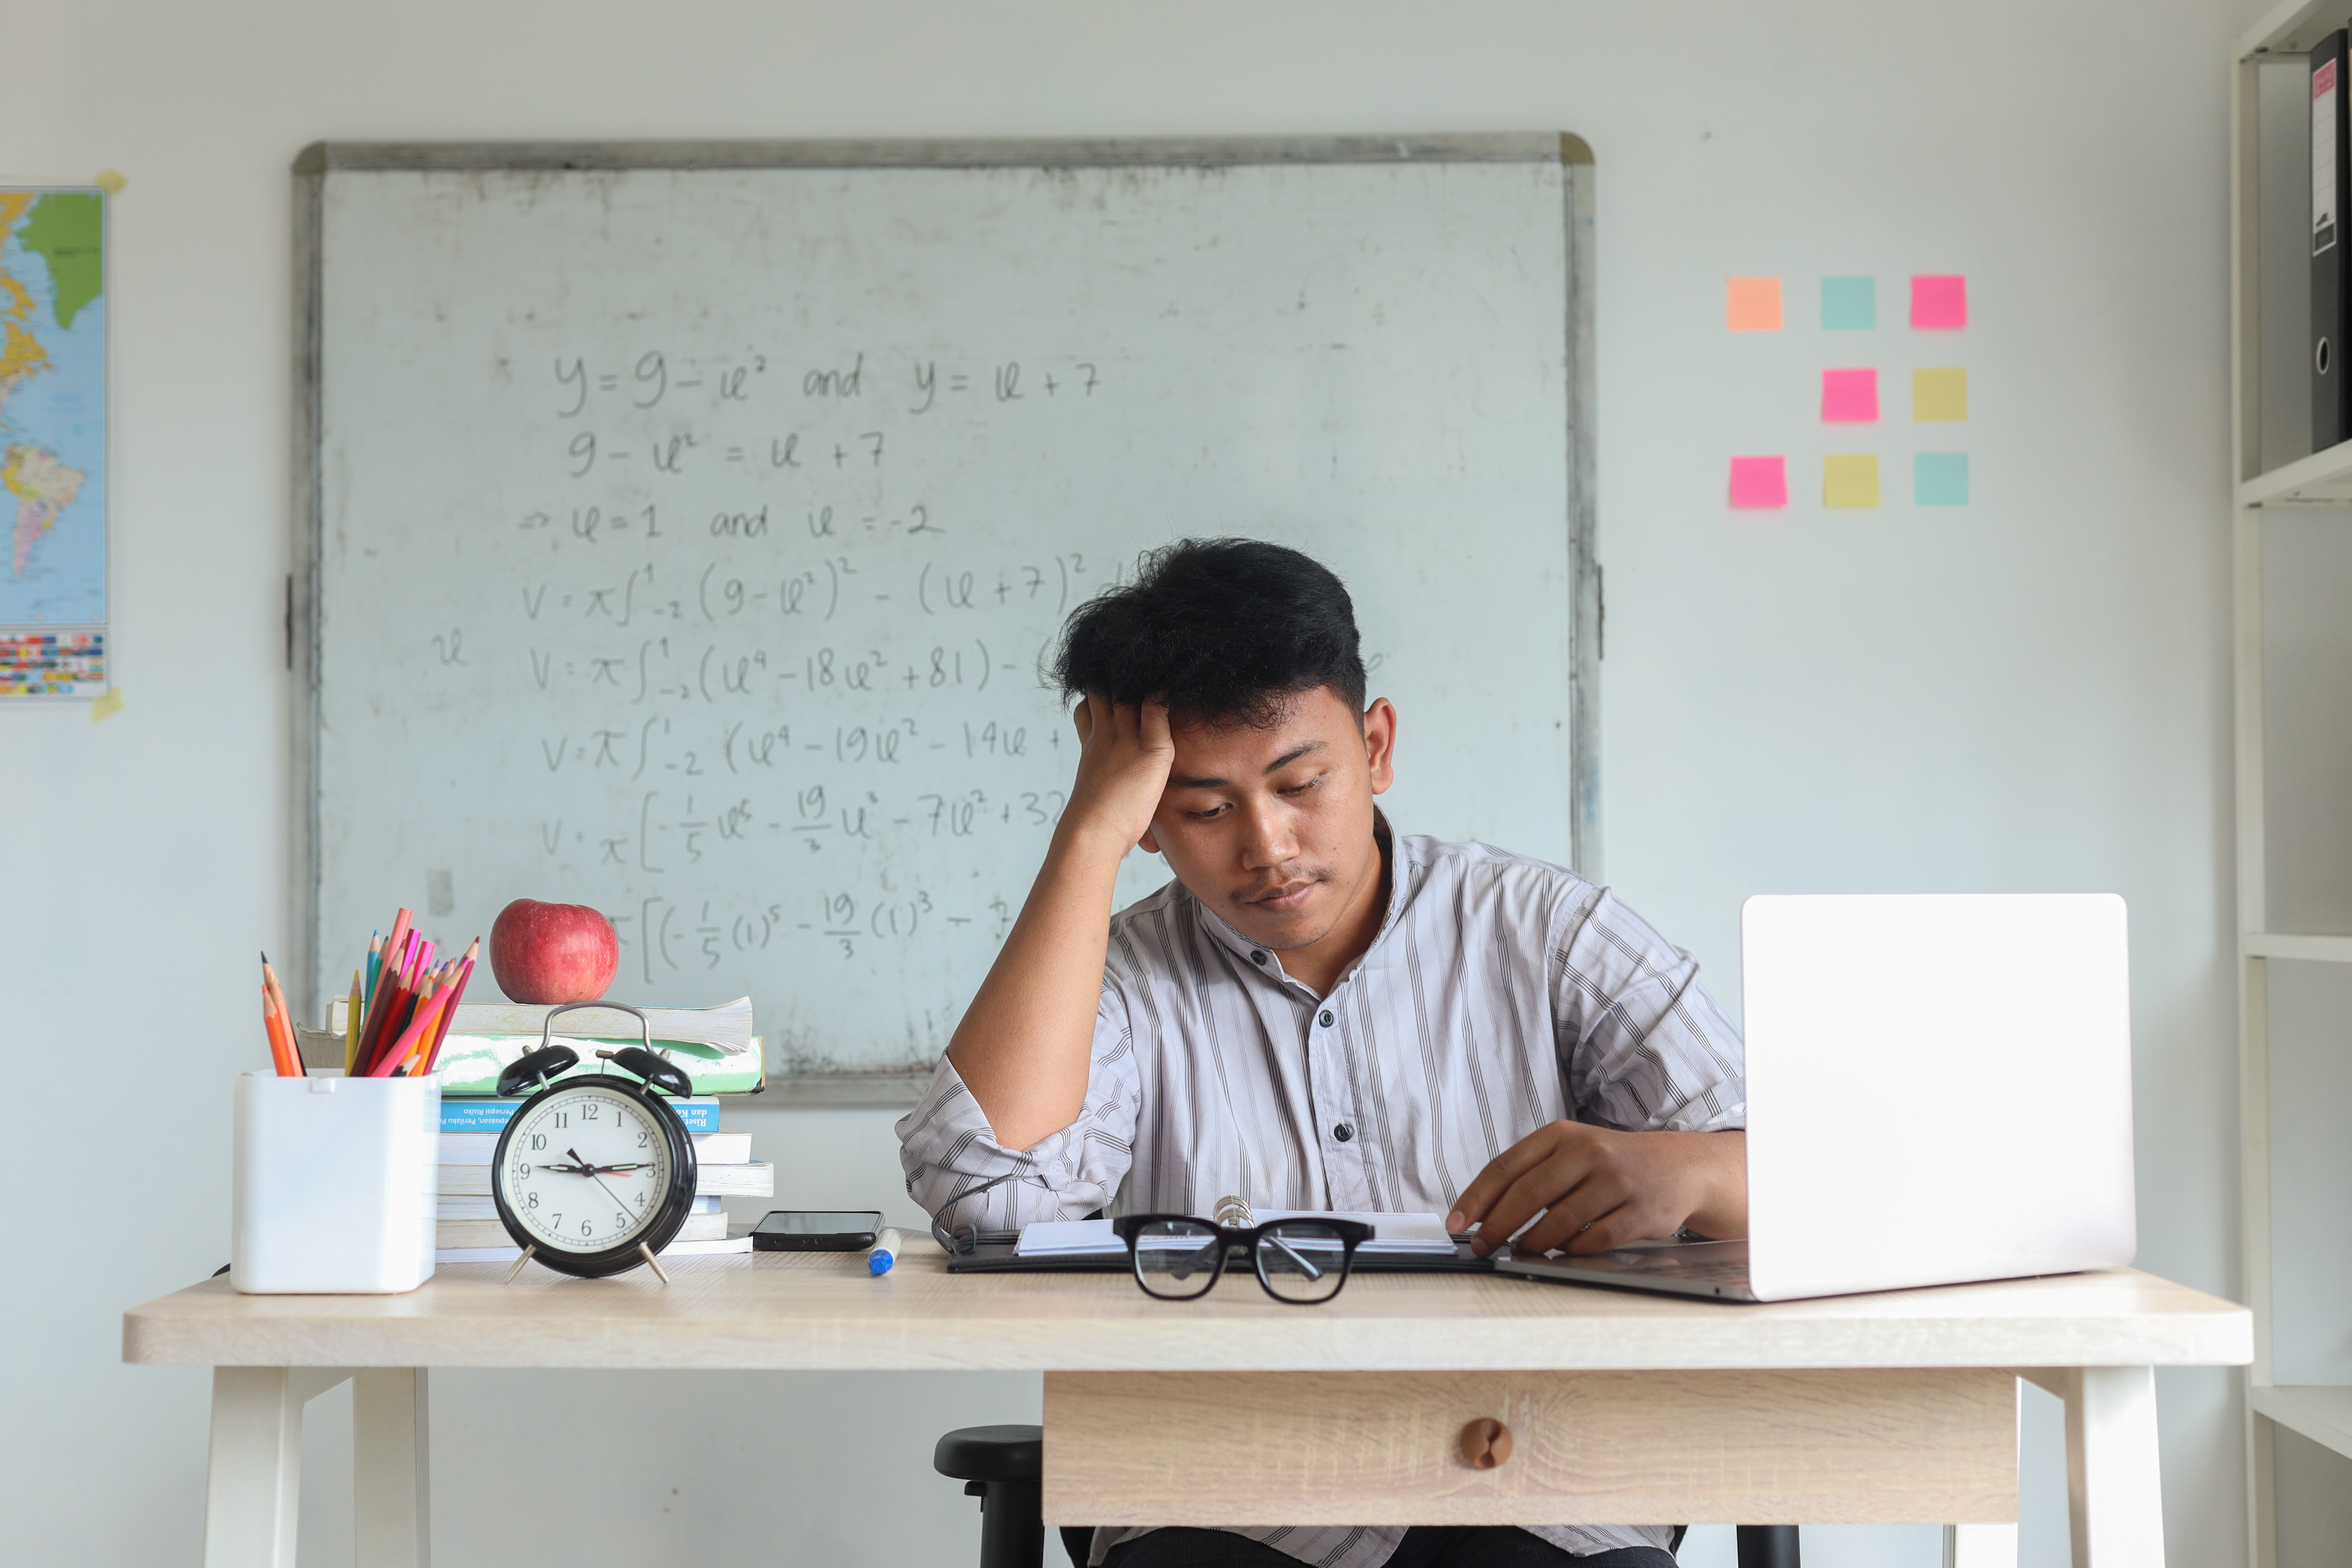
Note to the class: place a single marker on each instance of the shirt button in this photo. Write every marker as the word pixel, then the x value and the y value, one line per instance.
pixel 1324 1017
pixel 1258 959
pixel 1344 1132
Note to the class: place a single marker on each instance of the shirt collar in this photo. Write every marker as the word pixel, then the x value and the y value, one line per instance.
pixel 1247 949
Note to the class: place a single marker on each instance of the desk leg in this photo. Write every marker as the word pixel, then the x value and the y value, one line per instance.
pixel 2114 1482
pixel 389 1491
pixel 1980 1546
pixel 253 1489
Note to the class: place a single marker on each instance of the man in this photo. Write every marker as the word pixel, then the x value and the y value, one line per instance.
pixel 1317 1014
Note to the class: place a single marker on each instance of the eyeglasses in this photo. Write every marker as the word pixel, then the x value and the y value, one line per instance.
pixel 1300 1262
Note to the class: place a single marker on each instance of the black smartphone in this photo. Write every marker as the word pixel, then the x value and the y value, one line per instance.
pixel 806 1230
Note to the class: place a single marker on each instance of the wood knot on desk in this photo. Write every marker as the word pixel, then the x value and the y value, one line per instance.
pixel 1485 1442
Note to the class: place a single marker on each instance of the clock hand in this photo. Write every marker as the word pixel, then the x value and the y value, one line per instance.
pixel 586 1169
pixel 600 1181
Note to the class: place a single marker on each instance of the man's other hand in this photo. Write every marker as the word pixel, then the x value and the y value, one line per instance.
pixel 1597 1188
pixel 1124 754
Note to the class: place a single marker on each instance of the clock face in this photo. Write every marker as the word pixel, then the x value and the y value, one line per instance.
pixel 586 1169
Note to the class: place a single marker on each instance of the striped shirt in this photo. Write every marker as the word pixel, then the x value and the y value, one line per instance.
pixel 1501 994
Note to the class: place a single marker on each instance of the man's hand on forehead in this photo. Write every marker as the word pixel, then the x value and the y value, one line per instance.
pixel 1124 753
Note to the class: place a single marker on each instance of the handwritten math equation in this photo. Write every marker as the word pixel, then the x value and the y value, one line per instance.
pixel 759 642
pixel 610 402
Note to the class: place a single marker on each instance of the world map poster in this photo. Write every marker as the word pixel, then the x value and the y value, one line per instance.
pixel 52 442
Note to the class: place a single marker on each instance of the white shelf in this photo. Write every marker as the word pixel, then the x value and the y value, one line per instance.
pixel 2322 1414
pixel 2290 28
pixel 2324 478
pixel 2289 944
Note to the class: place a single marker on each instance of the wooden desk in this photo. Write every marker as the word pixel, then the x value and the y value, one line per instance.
pixel 1899 1406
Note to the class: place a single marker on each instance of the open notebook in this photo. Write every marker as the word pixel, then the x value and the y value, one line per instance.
pixel 1393 1234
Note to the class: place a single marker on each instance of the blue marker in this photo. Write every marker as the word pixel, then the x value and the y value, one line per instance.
pixel 885 1250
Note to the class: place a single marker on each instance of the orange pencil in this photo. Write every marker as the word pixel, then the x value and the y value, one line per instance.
pixel 449 1013
pixel 273 1004
pixel 385 1059
pixel 281 1056
pixel 411 1039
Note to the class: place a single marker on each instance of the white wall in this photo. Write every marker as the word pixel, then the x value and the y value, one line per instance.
pixel 2029 694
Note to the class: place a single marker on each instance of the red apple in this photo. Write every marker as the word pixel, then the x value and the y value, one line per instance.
pixel 552 953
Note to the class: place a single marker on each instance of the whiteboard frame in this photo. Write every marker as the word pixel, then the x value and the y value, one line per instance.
pixel 322 159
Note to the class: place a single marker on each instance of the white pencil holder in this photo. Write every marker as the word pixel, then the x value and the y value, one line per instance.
pixel 337 1185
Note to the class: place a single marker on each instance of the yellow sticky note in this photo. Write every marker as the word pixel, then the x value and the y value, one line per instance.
pixel 109 182
pixel 1850 479
pixel 107 706
pixel 1939 394
pixel 1752 304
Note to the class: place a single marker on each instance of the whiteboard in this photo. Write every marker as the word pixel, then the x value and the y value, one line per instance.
pixel 683 530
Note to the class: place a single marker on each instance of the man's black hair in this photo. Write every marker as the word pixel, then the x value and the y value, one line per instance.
pixel 1224 631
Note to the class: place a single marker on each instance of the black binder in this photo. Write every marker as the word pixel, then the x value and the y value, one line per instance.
pixel 1000 1253
pixel 2331 277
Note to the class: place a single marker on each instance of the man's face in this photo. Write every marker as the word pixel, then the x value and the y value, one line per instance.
pixel 1272 828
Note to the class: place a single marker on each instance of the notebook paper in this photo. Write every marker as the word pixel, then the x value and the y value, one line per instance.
pixel 1393 1234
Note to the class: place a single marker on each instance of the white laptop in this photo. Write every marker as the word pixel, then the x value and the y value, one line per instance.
pixel 1938 1090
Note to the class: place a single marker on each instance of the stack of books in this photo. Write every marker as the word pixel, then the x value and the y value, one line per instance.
pixel 715 1046
pixel 471 1232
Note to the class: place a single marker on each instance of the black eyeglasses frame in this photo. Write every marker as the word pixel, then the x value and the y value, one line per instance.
pixel 1351 1233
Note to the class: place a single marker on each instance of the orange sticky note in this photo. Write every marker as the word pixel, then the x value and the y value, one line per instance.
pixel 1759 482
pixel 1850 479
pixel 1939 299
pixel 1850 397
pixel 1753 305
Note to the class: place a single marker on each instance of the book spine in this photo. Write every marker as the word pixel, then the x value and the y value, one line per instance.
pixel 491 1233
pixel 467 1114
pixel 754 1180
pixel 2331 242
pixel 710 1148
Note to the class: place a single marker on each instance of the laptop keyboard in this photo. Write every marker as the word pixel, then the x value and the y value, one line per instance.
pixel 1708 1270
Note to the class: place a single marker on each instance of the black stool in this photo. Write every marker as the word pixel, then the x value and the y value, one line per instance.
pixel 1767 1545
pixel 1002 1466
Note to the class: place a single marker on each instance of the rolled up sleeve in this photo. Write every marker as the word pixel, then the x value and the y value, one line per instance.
pixel 1643 1046
pixel 948 1148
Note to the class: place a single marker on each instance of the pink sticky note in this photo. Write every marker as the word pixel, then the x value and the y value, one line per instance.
pixel 1759 482
pixel 1850 397
pixel 1939 299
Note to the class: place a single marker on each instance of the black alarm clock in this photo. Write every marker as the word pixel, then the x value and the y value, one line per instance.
pixel 594 1173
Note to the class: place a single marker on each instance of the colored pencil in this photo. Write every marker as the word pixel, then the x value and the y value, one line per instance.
pixel 392 942
pixel 403 1003
pixel 411 1039
pixel 371 1026
pixel 388 995
pixel 277 1060
pixel 273 997
pixel 351 1026
pixel 449 1013
pixel 282 1039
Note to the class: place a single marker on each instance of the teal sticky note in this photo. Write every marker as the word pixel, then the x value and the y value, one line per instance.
pixel 1849 304
pixel 1940 479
